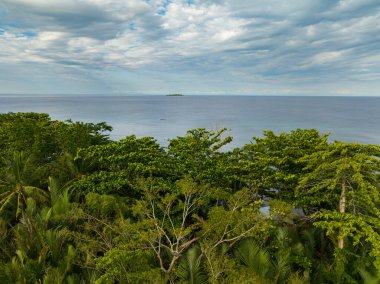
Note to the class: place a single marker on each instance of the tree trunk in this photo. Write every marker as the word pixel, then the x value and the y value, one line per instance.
pixel 342 209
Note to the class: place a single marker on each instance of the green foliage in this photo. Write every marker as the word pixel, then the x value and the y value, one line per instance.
pixel 225 225
pixel 255 258
pixel 198 155
pixel 342 186
pixel 37 134
pixel 44 248
pixel 78 208
pixel 124 266
pixel 24 132
pixel 273 163
pixel 107 205
pixel 190 267
pixel 135 155
pixel 45 141
pixel 117 166
pixel 14 187
pixel 355 163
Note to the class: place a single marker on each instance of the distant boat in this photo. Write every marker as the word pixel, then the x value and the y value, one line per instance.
pixel 174 95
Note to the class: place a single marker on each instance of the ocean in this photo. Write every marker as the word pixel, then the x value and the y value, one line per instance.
pixel 350 119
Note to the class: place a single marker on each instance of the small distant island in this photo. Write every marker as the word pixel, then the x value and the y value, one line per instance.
pixel 174 95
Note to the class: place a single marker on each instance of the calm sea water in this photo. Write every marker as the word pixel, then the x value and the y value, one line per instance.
pixel 351 119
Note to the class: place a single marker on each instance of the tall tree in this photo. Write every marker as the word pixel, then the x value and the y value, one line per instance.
pixel 342 186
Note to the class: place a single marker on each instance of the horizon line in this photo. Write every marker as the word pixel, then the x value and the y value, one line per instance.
pixel 190 94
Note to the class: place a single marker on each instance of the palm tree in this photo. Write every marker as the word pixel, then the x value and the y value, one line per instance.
pixel 254 257
pixel 14 184
pixel 44 247
pixel 190 267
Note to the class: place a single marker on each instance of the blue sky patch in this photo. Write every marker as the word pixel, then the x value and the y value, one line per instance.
pixel 27 34
pixel 132 26
pixel 163 7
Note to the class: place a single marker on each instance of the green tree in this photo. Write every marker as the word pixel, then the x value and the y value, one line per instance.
pixel 273 165
pixel 342 186
pixel 46 141
pixel 199 155
pixel 114 168
pixel 236 218
pixel 167 224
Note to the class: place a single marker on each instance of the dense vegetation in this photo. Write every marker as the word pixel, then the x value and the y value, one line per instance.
pixel 76 207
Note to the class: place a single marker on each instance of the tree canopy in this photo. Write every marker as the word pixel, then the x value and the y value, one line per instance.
pixel 77 207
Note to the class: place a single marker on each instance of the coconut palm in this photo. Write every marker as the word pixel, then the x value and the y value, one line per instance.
pixel 45 248
pixel 14 184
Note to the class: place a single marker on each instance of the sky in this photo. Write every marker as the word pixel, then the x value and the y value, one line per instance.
pixel 236 47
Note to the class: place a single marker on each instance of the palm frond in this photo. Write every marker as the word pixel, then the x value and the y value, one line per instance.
pixel 254 257
pixel 190 267
pixel 6 201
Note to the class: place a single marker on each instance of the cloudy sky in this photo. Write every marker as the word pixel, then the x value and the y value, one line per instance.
pixel 247 47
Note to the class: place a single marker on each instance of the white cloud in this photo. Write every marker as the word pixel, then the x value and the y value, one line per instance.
pixel 327 57
pixel 292 41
